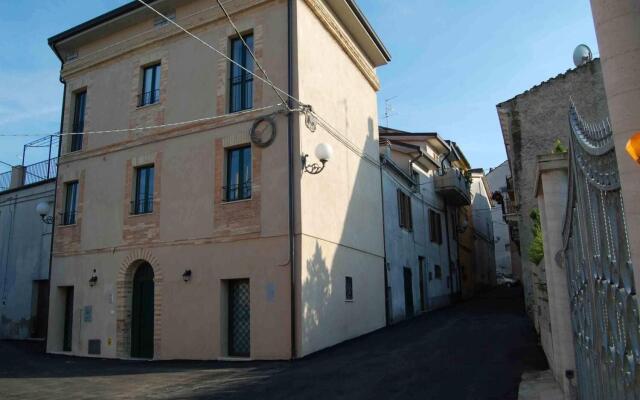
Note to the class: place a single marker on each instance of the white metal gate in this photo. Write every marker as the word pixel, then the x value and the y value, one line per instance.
pixel 604 309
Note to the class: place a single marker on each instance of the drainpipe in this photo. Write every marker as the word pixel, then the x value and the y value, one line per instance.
pixel 384 246
pixel 55 189
pixel 292 244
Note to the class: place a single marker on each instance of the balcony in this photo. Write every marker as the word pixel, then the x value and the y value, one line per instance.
pixel 453 187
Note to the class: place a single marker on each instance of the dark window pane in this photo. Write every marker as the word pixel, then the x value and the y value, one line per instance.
pixel 241 81
pixel 78 120
pixel 143 199
pixel 150 85
pixel 71 195
pixel 238 174
pixel 349 288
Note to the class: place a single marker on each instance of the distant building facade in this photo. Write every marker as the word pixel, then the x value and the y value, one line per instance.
pixel 531 122
pixel 484 241
pixel 25 248
pixel 498 179
pixel 423 189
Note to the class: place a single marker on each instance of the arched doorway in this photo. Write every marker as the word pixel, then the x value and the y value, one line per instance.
pixel 142 310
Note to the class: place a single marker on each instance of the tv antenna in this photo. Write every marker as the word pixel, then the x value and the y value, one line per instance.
pixel 388 109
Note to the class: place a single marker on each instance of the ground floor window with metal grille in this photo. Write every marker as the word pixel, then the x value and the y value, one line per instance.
pixel 239 318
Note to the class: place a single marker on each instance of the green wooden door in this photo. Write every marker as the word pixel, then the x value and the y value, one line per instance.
pixel 142 313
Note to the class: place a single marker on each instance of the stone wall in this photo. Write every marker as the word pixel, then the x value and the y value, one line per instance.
pixel 531 122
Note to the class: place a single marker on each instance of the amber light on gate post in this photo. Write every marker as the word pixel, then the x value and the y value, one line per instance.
pixel 633 147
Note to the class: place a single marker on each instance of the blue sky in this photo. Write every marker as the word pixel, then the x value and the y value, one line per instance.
pixel 453 61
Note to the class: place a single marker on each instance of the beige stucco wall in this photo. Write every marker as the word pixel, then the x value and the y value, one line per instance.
pixel 339 216
pixel 340 209
pixel 188 229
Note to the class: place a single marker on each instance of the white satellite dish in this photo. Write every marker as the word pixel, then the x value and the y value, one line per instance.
pixel 582 55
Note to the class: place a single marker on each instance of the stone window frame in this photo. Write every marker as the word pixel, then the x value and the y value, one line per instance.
pixel 241 216
pixel 149 114
pixel 255 26
pixel 67 237
pixel 74 87
pixel 142 228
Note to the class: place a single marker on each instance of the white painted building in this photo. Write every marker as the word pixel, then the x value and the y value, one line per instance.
pixel 497 178
pixel 421 249
pixel 483 234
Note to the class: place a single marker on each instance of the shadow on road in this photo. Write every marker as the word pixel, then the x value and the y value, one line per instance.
pixel 474 350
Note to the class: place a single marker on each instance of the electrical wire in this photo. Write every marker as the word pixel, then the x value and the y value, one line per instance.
pixel 154 28
pixel 169 20
pixel 224 10
pixel 301 107
pixel 143 128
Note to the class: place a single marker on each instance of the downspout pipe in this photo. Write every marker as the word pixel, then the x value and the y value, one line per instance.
pixel 55 187
pixel 387 312
pixel 292 244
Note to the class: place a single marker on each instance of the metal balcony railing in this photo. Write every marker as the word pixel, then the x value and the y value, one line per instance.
pixel 5 180
pixel 68 217
pixel 237 192
pixel 142 205
pixel 453 186
pixel 41 171
pixel 147 98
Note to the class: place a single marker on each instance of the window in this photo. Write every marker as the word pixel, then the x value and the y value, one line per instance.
pixel 78 120
pixel 437 271
pixel 143 200
pixel 404 210
pixel 348 286
pixel 435 227
pixel 70 202
pixel 240 81
pixel 238 174
pixel 150 85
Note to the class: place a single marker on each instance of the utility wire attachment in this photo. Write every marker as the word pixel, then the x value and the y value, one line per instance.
pixel 309 118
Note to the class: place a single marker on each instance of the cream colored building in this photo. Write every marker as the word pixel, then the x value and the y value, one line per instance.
pixel 191 241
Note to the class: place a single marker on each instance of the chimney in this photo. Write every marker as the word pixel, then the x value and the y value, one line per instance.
pixel 17 176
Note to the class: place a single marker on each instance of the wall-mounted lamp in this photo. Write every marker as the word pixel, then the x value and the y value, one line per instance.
pixel 43 208
pixel 633 147
pixel 94 279
pixel 323 153
pixel 186 276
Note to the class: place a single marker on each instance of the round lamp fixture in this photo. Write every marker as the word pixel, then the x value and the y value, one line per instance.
pixel 324 152
pixel 43 208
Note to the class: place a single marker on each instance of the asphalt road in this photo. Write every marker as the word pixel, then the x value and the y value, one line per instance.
pixel 475 350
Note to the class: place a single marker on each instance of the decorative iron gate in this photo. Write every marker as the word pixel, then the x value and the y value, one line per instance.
pixel 604 308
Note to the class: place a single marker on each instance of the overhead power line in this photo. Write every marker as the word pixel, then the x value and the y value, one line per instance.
pixel 169 20
pixel 300 106
pixel 144 128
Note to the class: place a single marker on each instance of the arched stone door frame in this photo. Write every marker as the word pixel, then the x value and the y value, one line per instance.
pixel 124 282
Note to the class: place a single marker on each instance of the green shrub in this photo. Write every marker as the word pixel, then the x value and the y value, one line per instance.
pixel 536 250
pixel 558 147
